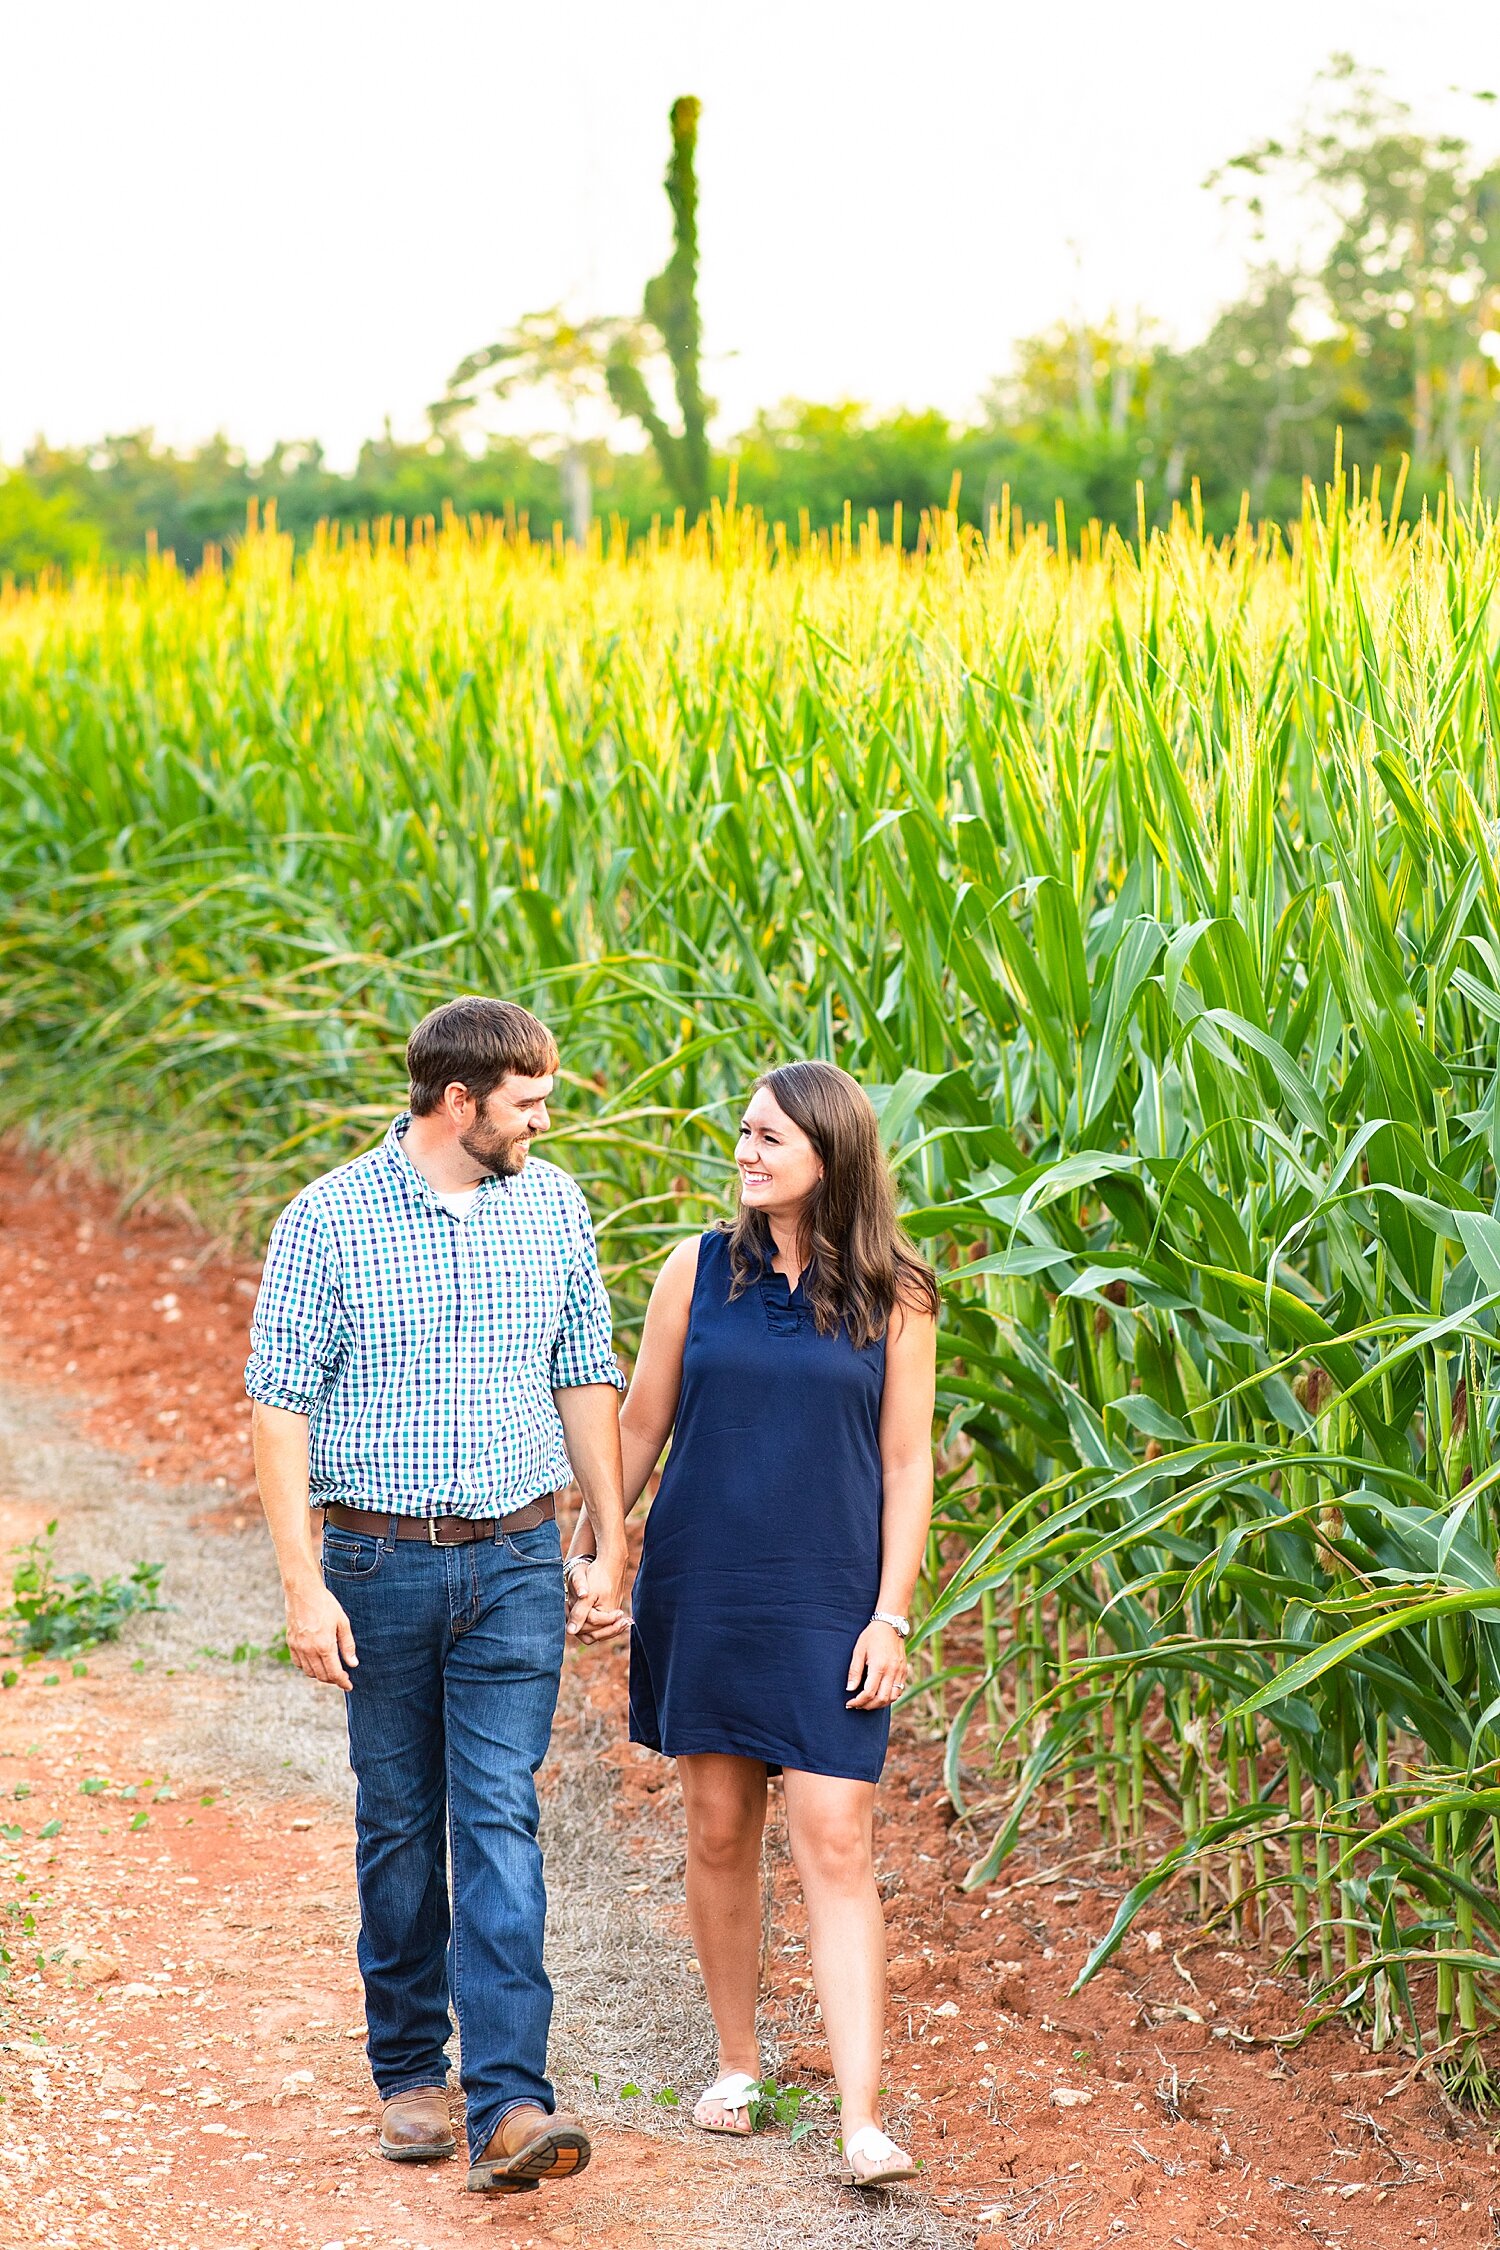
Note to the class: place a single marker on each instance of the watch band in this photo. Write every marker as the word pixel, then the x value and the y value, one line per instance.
pixel 901 1625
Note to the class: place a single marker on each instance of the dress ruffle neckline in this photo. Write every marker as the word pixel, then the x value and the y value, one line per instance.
pixel 787 1309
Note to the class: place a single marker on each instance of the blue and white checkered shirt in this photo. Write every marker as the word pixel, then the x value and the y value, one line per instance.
pixel 424 1349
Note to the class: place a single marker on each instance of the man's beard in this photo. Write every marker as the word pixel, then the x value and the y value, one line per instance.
pixel 502 1159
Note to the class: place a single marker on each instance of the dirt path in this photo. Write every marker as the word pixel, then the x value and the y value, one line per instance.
pixel 183 2066
pixel 183 2054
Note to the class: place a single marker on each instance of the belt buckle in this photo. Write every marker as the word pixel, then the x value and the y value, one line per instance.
pixel 432 1537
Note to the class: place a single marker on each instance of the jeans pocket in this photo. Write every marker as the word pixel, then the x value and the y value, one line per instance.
pixel 351 1554
pixel 542 1545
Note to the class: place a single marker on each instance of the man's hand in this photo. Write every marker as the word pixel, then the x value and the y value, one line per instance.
pixel 595 1587
pixel 319 1635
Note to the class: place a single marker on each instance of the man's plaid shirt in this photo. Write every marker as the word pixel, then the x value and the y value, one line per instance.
pixel 424 1349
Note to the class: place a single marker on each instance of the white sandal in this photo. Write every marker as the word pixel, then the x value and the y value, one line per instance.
pixel 734 2092
pixel 871 2143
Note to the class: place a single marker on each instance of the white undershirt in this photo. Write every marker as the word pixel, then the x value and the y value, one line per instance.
pixel 460 1201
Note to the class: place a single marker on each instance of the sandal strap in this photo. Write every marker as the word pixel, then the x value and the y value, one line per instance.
pixel 870 2142
pixel 733 2090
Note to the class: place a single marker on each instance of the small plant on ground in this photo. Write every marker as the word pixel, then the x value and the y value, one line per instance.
pixel 53 1615
pixel 771 2104
pixel 252 1652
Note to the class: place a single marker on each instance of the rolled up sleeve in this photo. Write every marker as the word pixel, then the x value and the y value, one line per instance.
pixel 583 1351
pixel 297 1331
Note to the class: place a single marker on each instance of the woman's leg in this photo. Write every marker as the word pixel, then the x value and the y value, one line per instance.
pixel 831 1828
pixel 726 1812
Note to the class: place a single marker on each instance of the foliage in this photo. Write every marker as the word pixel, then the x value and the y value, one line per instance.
pixel 1151 889
pixel 553 353
pixel 53 1616
pixel 131 494
pixel 41 530
pixel 802 460
pixel 670 307
pixel 1384 344
pixel 787 2106
pixel 1409 285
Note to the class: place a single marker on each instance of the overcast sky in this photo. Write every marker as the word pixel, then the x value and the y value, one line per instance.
pixel 290 218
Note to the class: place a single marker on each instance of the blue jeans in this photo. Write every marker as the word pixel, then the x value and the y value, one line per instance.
pixel 460 1650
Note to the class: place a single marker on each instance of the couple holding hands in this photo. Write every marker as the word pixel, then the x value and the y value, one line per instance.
pixel 430 1363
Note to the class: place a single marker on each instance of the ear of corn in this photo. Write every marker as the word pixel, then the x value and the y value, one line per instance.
pixel 1155 896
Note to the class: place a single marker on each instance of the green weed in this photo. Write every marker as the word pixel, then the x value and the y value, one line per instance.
pixel 52 1615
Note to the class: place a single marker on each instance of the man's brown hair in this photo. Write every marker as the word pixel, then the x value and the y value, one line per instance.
pixel 475 1042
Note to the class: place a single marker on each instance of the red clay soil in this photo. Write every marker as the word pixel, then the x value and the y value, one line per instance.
pixel 185 2067
pixel 1150 2109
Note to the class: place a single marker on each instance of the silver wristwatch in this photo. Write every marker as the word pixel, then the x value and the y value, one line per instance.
pixel 901 1625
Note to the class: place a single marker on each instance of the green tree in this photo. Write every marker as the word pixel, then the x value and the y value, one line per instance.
pixel 552 353
pixel 1410 282
pixel 1256 407
pixel 805 458
pixel 40 530
pixel 1079 420
pixel 670 307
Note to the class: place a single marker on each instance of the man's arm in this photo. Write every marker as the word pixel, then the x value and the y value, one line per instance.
pixel 651 1404
pixel 318 1633
pixel 590 1415
pixel 296 1345
pixel 586 1387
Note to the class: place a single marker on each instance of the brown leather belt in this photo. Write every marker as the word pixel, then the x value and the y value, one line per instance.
pixel 441 1531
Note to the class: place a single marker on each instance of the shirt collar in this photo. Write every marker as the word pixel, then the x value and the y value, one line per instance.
pixel 417 1184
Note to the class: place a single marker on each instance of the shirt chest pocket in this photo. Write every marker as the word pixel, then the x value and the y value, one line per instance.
pixel 516 1310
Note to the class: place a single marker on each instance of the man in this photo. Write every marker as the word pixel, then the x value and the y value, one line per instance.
pixel 430 1355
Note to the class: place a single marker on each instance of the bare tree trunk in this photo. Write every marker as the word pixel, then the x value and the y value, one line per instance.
pixel 1453 411
pixel 1083 371
pixel 1421 403
pixel 1122 382
pixel 578 494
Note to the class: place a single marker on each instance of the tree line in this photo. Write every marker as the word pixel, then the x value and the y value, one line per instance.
pixel 1382 339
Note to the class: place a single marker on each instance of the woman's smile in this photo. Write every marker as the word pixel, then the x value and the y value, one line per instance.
pixel 793 1169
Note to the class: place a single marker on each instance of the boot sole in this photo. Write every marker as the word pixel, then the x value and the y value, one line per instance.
pixel 551 2156
pixel 424 2152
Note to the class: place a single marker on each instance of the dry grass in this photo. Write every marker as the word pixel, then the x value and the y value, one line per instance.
pixel 629 2009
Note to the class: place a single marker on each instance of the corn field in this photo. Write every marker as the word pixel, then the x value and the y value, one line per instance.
pixel 1152 891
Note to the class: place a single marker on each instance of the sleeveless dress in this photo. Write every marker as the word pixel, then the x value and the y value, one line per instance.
pixel 761 1562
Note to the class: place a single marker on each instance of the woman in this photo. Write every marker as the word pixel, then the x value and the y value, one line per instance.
pixel 790 1358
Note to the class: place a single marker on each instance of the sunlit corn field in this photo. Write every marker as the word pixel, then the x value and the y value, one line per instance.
pixel 1152 894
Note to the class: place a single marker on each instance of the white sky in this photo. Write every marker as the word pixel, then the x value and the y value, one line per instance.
pixel 290 218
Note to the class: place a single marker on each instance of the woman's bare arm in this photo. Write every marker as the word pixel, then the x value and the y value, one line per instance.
pixel 906 1411
pixel 650 1406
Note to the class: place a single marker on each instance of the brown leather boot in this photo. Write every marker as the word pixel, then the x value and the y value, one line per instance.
pixel 415 2127
pixel 526 2146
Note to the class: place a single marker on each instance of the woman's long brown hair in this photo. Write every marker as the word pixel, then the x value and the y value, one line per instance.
pixel 858 1263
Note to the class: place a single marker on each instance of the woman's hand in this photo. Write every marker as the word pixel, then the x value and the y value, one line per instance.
pixel 879 1660
pixel 594 1608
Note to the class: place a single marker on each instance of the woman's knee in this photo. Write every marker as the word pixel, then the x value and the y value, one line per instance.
pixel 723 1833
pixel 833 1854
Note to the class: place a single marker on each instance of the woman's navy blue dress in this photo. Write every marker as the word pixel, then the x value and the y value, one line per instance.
pixel 761 1563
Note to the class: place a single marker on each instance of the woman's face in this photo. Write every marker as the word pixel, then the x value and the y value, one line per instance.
pixel 779 1167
